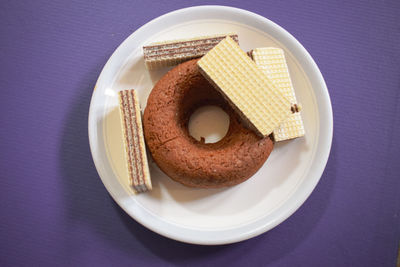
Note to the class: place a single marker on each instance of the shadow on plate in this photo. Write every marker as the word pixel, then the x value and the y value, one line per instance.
pixel 259 189
pixel 160 180
pixel 138 74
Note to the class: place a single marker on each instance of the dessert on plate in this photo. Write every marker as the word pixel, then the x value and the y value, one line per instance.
pixel 254 89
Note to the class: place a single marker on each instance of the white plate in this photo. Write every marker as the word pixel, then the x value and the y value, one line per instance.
pixel 213 216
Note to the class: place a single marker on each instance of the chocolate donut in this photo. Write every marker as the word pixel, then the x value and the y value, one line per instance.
pixel 230 161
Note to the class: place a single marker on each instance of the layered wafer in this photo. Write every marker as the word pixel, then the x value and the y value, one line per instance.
pixel 272 61
pixel 135 150
pixel 245 86
pixel 169 53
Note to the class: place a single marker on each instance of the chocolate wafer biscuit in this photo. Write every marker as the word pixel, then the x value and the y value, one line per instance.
pixel 135 150
pixel 169 53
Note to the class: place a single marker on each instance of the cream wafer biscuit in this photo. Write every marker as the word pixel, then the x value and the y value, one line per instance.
pixel 245 86
pixel 135 150
pixel 169 53
pixel 272 61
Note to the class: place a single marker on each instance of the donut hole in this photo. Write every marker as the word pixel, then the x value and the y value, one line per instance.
pixel 208 124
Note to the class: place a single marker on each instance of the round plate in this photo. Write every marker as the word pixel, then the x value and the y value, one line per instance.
pixel 212 216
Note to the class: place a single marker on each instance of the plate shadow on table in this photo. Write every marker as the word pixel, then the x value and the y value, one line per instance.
pixel 298 227
pixel 87 202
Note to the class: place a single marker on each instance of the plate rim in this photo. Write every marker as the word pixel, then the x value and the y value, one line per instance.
pixel 151 223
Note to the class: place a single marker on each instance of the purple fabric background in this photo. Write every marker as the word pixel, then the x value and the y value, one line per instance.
pixel 54 209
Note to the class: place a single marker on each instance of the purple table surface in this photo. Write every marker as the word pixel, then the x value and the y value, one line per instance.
pixel 54 210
